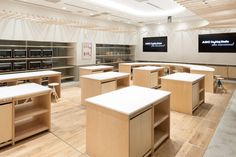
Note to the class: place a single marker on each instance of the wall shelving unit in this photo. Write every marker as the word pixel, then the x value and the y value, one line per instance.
pixel 107 54
pixel 22 56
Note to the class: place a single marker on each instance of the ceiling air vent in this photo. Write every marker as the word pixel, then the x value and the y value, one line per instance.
pixel 100 14
pixel 153 5
pixel 53 1
pixel 140 0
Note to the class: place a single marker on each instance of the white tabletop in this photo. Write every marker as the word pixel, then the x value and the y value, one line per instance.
pixel 106 76
pixel 190 66
pixel 188 77
pixel 26 89
pixel 128 100
pixel 149 68
pixel 98 67
pixel 18 76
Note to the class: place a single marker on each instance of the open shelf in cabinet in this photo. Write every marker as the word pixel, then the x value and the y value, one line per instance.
pixel 27 110
pixel 161 125
pixel 159 118
pixel 32 115
pixel 161 112
pixel 161 133
pixel 29 128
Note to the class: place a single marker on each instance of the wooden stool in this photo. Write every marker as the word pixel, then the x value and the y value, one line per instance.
pixel 54 93
pixel 218 84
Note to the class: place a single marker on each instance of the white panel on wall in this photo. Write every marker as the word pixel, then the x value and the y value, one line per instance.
pixel 182 46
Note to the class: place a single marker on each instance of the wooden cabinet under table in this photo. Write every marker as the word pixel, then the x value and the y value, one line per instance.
pixel 35 77
pixel 148 76
pixel 187 91
pixel 6 119
pixel 196 69
pixel 96 84
pixel 94 69
pixel 26 111
pixel 127 122
pixel 209 78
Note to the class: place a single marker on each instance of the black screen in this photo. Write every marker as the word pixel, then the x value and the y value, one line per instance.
pixel 155 44
pixel 216 43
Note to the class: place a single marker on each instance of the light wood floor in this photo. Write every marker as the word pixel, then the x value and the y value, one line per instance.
pixel 190 135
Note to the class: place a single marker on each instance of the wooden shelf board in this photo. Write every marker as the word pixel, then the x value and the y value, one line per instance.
pixel 67 77
pixel 201 101
pixel 39 58
pixel 29 129
pixel 201 90
pixel 41 46
pixel 28 110
pixel 62 57
pixel 111 62
pixel 159 137
pixel 12 59
pixel 120 55
pixel 116 47
pixel 159 118
pixel 12 45
pixel 62 46
pixel 62 67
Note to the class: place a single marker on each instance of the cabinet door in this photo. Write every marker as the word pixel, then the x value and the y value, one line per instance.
pixel 5 122
pixel 140 134
pixel 195 96
pixel 108 86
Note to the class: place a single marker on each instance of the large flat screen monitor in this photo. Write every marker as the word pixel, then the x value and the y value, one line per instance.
pixel 155 44
pixel 217 43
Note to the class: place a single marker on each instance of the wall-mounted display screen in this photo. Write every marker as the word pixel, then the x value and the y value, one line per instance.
pixel 155 44
pixel 217 43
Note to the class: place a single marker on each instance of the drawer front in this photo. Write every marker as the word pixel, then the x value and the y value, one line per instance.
pixel 140 134
pixel 5 122
pixel 97 71
pixel 108 86
pixel 153 79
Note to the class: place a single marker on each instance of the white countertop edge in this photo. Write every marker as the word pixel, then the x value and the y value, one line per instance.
pixel 190 66
pixel 134 111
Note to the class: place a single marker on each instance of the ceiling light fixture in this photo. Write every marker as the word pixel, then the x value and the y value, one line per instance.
pixel 64 8
pixel 135 12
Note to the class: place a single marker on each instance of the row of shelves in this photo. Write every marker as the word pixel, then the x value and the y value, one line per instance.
pixel 115 55
pixel 161 125
pixel 37 58
pixel 28 43
pixel 35 46
pixel 108 54
pixel 27 56
pixel 30 65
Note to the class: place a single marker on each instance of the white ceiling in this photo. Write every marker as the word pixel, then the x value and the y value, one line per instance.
pixel 147 11
pixel 219 13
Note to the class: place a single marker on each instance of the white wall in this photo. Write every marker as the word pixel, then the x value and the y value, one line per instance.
pixel 182 45
pixel 18 29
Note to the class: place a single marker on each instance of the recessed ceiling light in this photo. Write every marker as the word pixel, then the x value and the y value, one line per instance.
pixel 64 8
pixel 132 11
pixel 91 14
